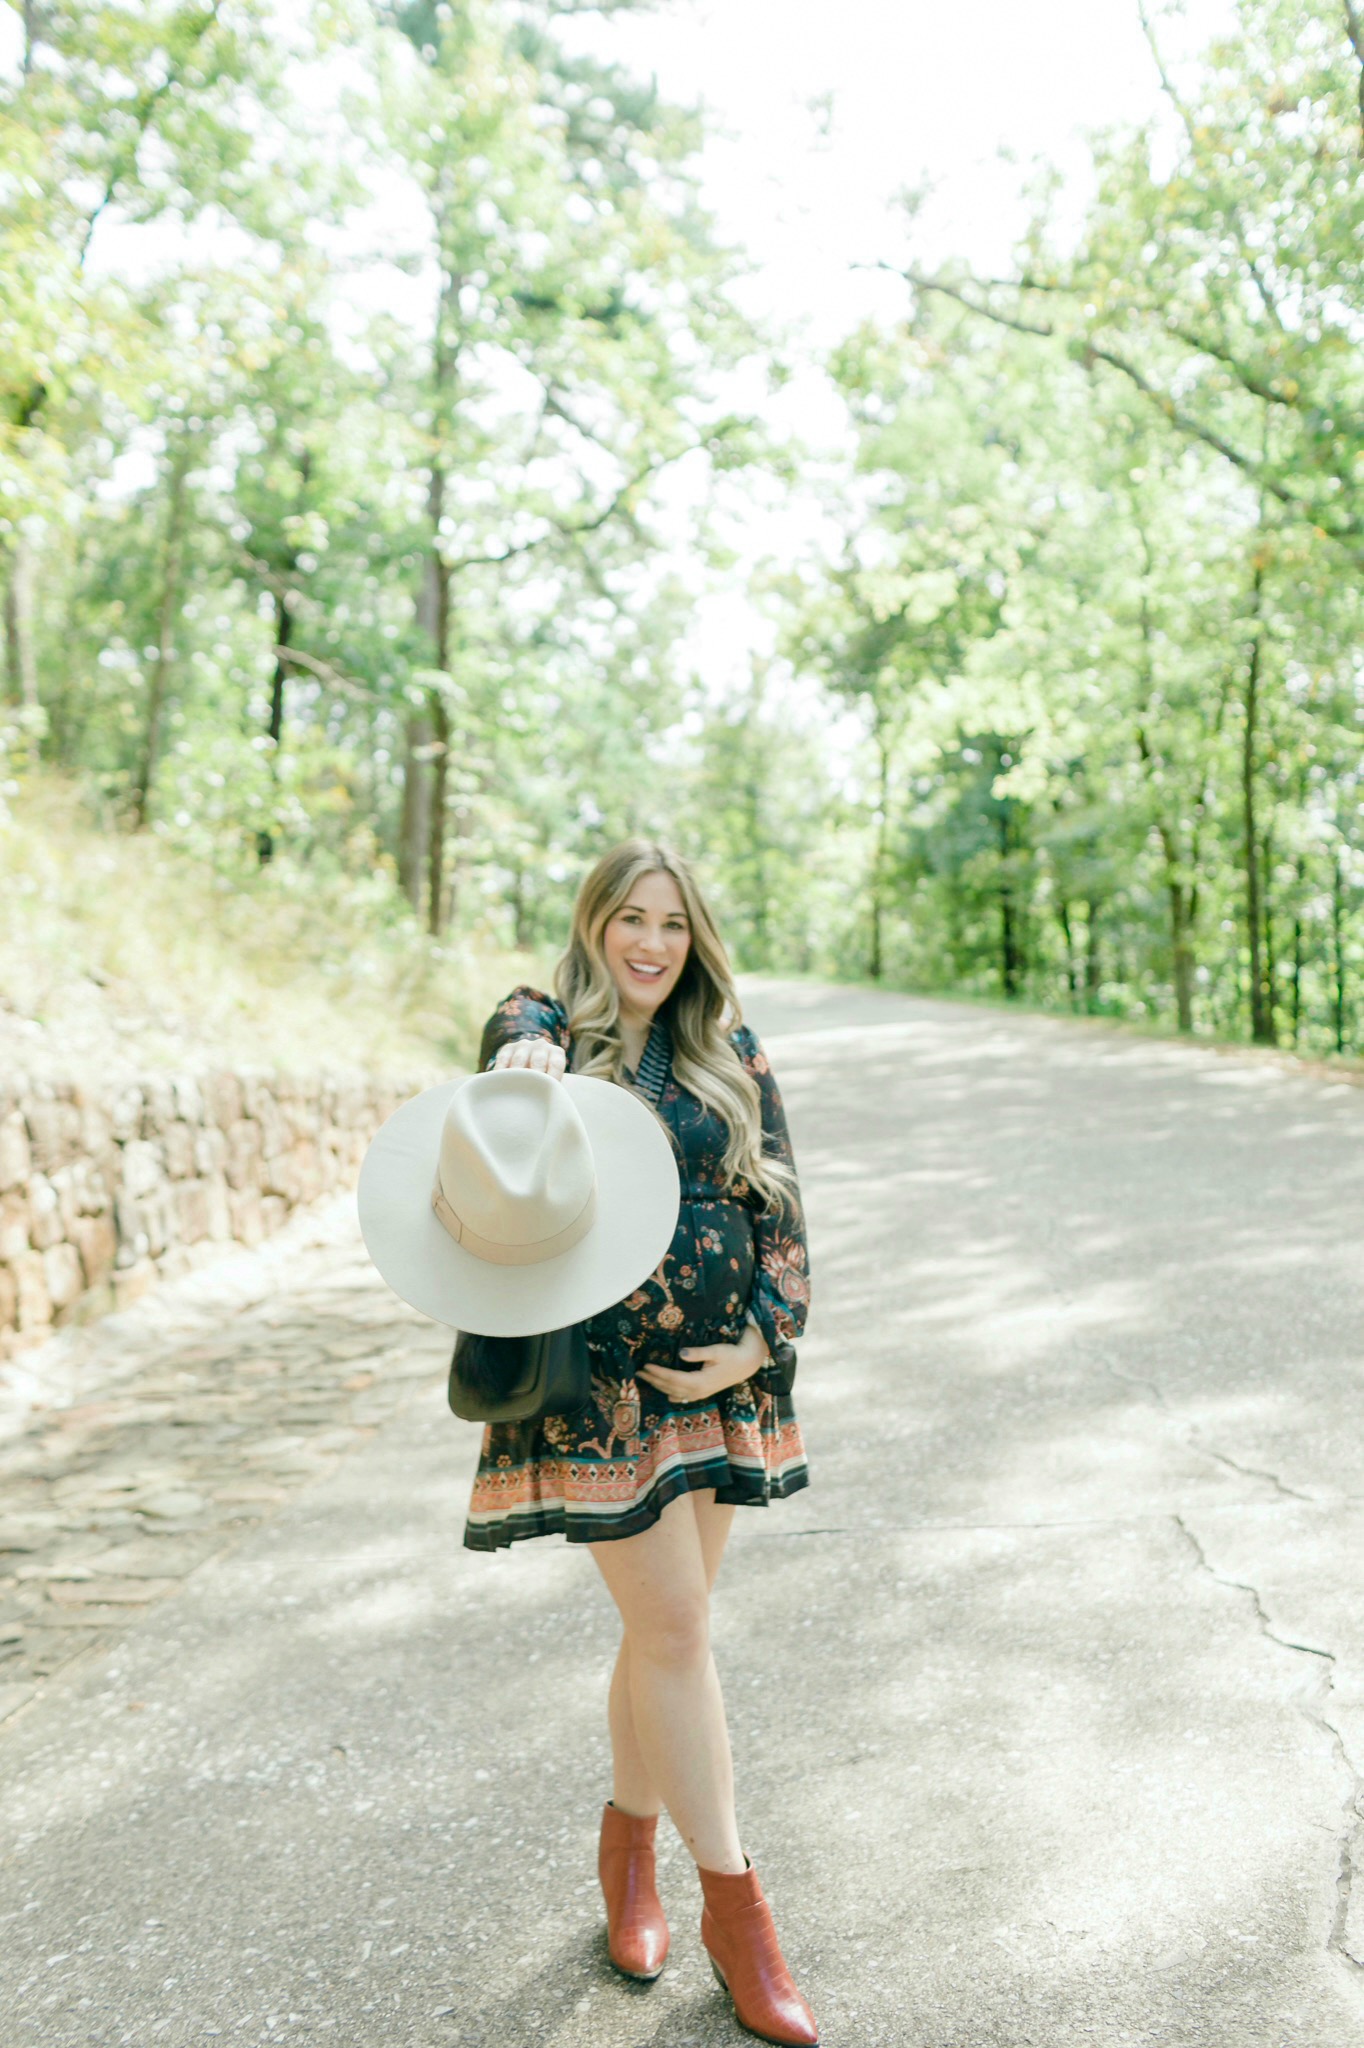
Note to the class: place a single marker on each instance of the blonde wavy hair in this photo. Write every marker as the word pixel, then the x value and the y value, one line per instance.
pixel 701 1011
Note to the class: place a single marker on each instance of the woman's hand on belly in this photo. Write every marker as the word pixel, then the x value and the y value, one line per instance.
pixel 716 1366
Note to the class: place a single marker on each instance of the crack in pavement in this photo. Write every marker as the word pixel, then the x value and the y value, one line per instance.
pixel 1195 1442
pixel 1351 1829
pixel 1313 1710
pixel 1250 1471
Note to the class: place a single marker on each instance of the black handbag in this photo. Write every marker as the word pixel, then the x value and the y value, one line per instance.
pixel 515 1379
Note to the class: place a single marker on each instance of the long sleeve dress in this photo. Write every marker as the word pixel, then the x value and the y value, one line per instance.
pixel 610 1469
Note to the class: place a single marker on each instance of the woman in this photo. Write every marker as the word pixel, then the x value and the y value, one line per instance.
pixel 691 1413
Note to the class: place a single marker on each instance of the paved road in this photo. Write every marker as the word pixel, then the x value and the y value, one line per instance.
pixel 1048 1695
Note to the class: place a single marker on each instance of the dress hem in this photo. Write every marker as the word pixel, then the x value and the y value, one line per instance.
pixel 735 1491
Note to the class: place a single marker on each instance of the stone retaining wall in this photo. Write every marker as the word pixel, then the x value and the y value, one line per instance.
pixel 100 1192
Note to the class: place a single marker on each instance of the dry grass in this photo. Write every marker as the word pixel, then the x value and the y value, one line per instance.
pixel 118 954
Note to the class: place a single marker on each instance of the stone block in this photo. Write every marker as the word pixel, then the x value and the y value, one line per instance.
pixel 62 1274
pixel 191 1209
pixel 16 1159
pixel 279 1176
pixel 133 1243
pixel 158 1106
pixel 33 1310
pixel 274 1132
pixel 159 1220
pixel 99 1300
pixel 244 1213
pixel 219 1213
pixel 131 1284
pixel 54 1130
pixel 141 1167
pixel 44 1213
pixel 243 1152
pixel 94 1185
pixel 210 1150
pixel 14 1237
pixel 309 1169
pixel 179 1149
pixel 352 1104
pixel 125 1113
pixel 189 1099
pixel 222 1093
pixel 96 1239
pixel 66 1187
pixel 97 1127
pixel 258 1093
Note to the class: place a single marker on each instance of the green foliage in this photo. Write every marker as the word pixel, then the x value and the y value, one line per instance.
pixel 125 951
pixel 1100 590
pixel 357 593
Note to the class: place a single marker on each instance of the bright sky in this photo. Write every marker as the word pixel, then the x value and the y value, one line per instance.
pixel 823 111
pixel 912 92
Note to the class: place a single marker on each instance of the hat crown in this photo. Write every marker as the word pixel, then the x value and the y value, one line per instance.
pixel 515 1162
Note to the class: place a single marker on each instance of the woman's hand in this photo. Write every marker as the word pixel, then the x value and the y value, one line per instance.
pixel 542 1054
pixel 721 1366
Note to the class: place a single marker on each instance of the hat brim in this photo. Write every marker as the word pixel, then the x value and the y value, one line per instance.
pixel 638 1198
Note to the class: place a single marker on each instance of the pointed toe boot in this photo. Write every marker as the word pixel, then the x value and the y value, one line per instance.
pixel 736 1927
pixel 636 1931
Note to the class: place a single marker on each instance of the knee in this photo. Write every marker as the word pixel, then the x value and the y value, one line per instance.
pixel 674 1635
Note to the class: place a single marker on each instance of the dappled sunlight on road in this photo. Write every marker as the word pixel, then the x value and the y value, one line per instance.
pixel 1043 1696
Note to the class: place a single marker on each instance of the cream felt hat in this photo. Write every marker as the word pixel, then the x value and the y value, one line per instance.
pixel 509 1203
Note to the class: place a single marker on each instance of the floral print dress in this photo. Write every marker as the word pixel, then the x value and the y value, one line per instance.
pixel 611 1468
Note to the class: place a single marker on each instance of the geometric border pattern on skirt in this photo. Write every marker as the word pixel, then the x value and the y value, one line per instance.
pixel 750 1453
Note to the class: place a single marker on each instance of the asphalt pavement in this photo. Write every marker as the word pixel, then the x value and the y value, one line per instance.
pixel 1047 1696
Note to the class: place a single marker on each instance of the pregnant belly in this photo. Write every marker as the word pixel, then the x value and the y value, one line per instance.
pixel 699 1295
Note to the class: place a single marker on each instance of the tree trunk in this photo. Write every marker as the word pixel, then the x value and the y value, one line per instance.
pixel 1271 958
pixel 32 35
pixel 281 592
pixel 414 824
pixel 876 961
pixel 1008 917
pixel 21 661
pixel 1297 950
pixel 519 909
pixel 168 618
pixel 284 633
pixel 1181 895
pixel 1072 973
pixel 437 583
pixel 437 906
pixel 1093 977
pixel 436 619
pixel 1338 948
pixel 1181 940
pixel 1261 1009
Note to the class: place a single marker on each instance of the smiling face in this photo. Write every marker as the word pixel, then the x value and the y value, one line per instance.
pixel 646 943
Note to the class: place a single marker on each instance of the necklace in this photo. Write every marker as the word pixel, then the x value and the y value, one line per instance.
pixel 655 1063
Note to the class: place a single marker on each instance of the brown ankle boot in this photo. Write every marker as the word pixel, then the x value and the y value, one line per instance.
pixel 636 1930
pixel 736 1927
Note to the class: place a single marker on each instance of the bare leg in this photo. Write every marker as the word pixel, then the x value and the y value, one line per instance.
pixel 660 1583
pixel 632 1789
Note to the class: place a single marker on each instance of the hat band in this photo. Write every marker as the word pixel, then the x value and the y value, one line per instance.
pixel 498 1253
